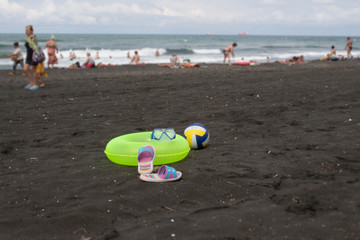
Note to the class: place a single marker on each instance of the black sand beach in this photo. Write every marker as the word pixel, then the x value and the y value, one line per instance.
pixel 283 160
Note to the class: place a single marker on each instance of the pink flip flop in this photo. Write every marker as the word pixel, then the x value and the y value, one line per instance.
pixel 165 174
pixel 146 157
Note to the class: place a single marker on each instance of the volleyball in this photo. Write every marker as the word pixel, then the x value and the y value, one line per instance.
pixel 197 136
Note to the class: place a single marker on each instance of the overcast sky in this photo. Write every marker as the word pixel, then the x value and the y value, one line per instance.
pixel 274 17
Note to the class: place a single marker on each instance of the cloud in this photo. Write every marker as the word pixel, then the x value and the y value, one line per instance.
pixel 143 15
pixel 9 10
pixel 322 1
pixel 269 1
pixel 169 13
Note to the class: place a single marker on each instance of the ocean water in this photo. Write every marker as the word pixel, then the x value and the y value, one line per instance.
pixel 113 48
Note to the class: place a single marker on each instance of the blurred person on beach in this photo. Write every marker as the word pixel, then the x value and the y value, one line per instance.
pixel 75 66
pixel 17 57
pixel 97 55
pixel 348 47
pixel 333 51
pixel 31 46
pixel 297 59
pixel 253 62
pixel 72 56
pixel 189 64
pixel 157 53
pixel 229 50
pixel 89 63
pixel 174 62
pixel 52 49
pixel 135 59
pixel 40 72
pixel 293 60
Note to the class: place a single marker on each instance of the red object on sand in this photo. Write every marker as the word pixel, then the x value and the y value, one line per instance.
pixel 242 63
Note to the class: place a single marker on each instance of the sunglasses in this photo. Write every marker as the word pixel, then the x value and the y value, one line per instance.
pixel 163 134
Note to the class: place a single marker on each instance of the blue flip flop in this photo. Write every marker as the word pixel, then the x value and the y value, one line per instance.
pixel 28 86
pixel 33 88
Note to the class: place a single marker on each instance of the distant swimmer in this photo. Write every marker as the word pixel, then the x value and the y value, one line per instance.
pixel 72 56
pixel 97 55
pixel 229 50
pixel 157 53
pixel 349 47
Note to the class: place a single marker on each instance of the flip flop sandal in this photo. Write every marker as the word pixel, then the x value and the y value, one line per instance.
pixel 33 88
pixel 165 174
pixel 28 86
pixel 146 156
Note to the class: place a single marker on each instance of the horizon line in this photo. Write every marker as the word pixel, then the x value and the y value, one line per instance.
pixel 195 34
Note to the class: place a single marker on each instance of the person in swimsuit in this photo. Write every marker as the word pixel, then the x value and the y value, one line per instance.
pixel 51 49
pixel 135 59
pixel 31 46
pixel 333 51
pixel 349 47
pixel 229 50
pixel 293 60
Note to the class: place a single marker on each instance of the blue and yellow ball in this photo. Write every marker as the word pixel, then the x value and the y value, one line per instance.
pixel 197 136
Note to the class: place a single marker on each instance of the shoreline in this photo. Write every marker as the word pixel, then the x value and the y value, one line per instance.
pixel 200 48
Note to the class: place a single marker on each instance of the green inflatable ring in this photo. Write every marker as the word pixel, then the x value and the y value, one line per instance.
pixel 124 149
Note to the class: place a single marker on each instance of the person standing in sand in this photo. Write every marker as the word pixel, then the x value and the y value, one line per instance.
pixel 40 72
pixel 52 49
pixel 349 47
pixel 31 46
pixel 17 57
pixel 229 50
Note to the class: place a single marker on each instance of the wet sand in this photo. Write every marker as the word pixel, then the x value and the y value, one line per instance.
pixel 283 160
